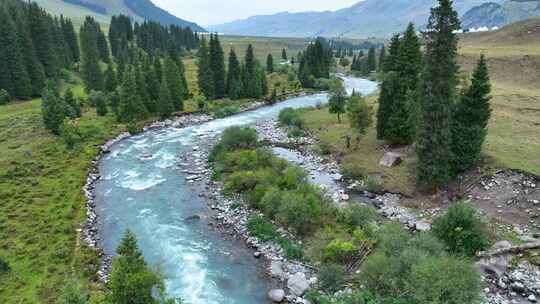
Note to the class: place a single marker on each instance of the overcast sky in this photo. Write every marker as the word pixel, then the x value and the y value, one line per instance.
pixel 210 12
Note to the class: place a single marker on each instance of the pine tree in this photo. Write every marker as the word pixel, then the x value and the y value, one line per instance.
pixel 131 280
pixel 408 61
pixel 110 79
pixel 164 104
pixel 33 65
pixel 152 85
pixel 53 109
pixel 233 76
pixel 389 63
pixel 70 38
pixel 183 80
pixel 437 97
pixel 158 69
pixel 142 89
pixel 74 108
pixel 130 105
pixel 103 46
pixel 471 117
pixel 17 81
pixel 172 78
pixel 382 55
pixel 284 54
pixel 270 64
pixel 99 99
pixel 371 60
pixel 39 27
pixel 217 65
pixel 205 78
pixel 91 72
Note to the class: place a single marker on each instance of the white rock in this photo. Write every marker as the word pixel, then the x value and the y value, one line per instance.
pixel 390 159
pixel 276 295
pixel 298 284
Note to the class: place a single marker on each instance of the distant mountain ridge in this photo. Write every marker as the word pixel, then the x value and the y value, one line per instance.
pixel 368 18
pixel 102 10
pixel 494 14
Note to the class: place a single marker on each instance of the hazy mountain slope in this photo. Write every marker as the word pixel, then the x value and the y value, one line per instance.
pixel 102 10
pixel 380 18
pixel 493 14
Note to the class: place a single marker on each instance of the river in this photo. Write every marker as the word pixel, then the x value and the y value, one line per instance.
pixel 143 189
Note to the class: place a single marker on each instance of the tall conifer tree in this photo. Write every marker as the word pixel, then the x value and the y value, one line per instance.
pixel 234 80
pixel 164 104
pixel 172 77
pixel 471 117
pixel 270 64
pixel 217 64
pixel 437 98
pixel 205 78
pixel 91 72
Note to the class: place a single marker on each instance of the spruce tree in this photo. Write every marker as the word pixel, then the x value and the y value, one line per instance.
pixel 152 84
pixel 382 55
pixel 131 280
pixel 183 80
pixel 205 77
pixel 371 60
pixel 142 89
pixel 172 78
pixel 39 27
pixel 70 38
pixel 217 65
pixel 130 106
pixel 164 104
pixel 284 54
pixel 11 57
pixel 110 79
pixel 408 61
pixel 471 117
pixel 91 72
pixel 437 98
pixel 103 46
pixel 36 73
pixel 53 109
pixel 74 108
pixel 270 64
pixel 389 63
pixel 233 76
pixel 99 99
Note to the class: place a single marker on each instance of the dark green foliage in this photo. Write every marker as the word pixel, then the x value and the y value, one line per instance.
pixel 71 135
pixel 111 83
pixel 4 97
pixel 155 38
pixel 270 64
pixel 120 32
pixel 315 62
pixel 4 266
pixel 360 115
pixel 291 117
pixel 90 70
pixel 234 80
pixel 173 78
pixel 437 98
pixel 73 293
pixel 471 117
pixel 205 77
pixel 217 66
pixel 73 107
pixel 142 89
pixel 284 54
pixel 165 105
pixel 331 277
pixel 131 280
pixel 338 102
pixel 33 65
pixel 201 102
pixel 131 107
pixel 461 230
pixel 359 216
pixel 103 47
pixel 13 74
pixel 53 109
pixel 273 97
pixel 234 138
pixel 371 60
pixel 39 24
pixel 263 230
pixel 70 39
pixel 99 100
pixel 382 56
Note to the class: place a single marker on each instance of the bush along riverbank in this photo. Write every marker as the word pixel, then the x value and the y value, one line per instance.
pixel 357 256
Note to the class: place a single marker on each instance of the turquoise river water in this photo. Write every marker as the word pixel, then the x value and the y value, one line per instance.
pixel 143 189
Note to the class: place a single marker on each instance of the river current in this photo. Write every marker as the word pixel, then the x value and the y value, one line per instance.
pixel 142 189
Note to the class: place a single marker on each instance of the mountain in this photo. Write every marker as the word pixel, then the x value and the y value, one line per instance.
pixel 102 10
pixel 368 18
pixel 494 14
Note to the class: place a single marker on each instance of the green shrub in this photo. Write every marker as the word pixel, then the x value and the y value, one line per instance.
pixel 73 293
pixel 4 266
pixel 461 230
pixel 339 251
pixel 352 171
pixel 4 97
pixel 301 212
pixel 296 132
pixel 446 280
pixel 331 277
pixel 261 229
pixel 271 201
pixel 239 138
pixel 226 111
pixel 70 133
pixel 292 178
pixel 291 118
pixel 360 215
pixel 373 184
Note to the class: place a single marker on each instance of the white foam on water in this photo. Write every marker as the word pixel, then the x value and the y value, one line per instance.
pixel 164 159
pixel 134 181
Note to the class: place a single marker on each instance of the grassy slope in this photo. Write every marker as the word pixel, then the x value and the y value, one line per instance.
pixel 41 199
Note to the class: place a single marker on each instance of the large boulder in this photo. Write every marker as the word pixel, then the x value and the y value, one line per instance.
pixel 391 159
pixel 298 284
pixel 276 269
pixel 276 295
